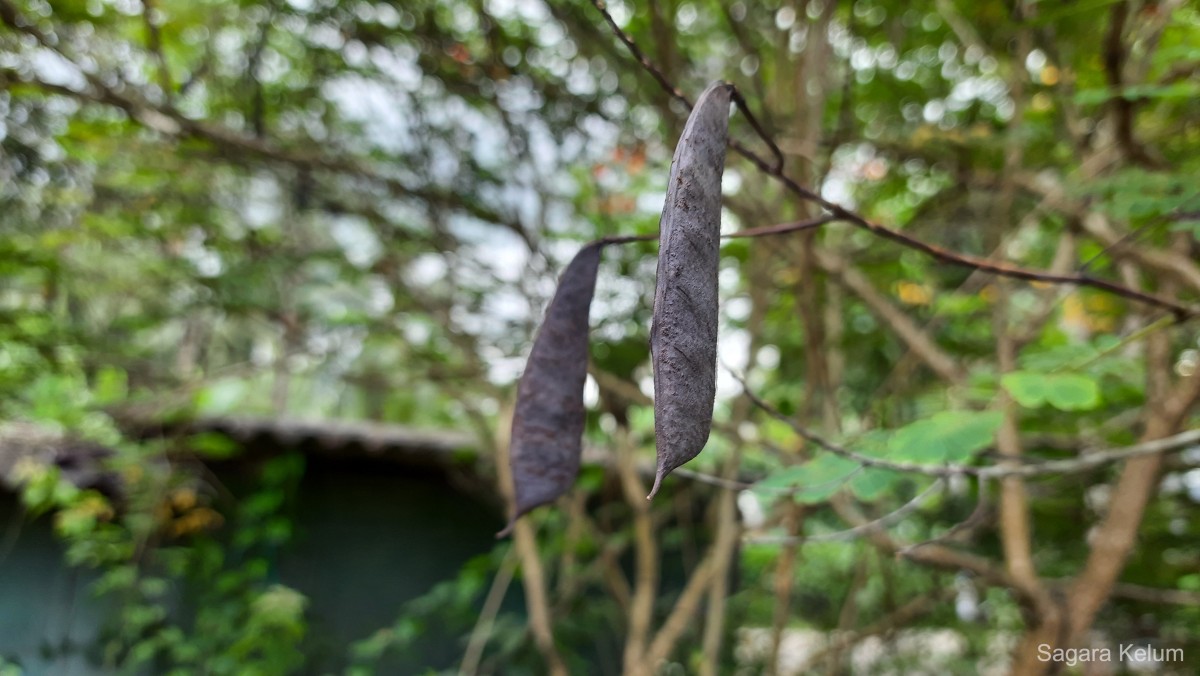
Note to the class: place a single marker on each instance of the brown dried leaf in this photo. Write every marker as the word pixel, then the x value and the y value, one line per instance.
pixel 683 336
pixel 547 427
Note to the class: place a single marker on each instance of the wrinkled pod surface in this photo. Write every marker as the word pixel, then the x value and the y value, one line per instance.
pixel 683 336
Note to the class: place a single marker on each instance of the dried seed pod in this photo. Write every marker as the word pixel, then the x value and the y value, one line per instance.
pixel 547 427
pixel 683 336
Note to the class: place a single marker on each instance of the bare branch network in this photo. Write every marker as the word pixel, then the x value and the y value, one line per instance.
pixel 1087 460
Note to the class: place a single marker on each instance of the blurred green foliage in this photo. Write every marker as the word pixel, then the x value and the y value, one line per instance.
pixel 357 210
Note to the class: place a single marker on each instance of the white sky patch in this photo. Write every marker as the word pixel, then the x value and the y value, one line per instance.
pixel 616 299
pixel 443 165
pixel 381 112
pixel 733 352
pixel 357 240
pixel 379 300
pixel 1035 62
pixel 731 182
pixel 738 308
pixel 426 269
pixel 991 90
pixel 207 262
pixel 591 392
pixel 580 81
pixel 768 357
pixel 728 280
pixel 507 259
pixel 651 202
pixel 505 370
pixel 517 95
pixel 399 64
pixel 1191 481
pixel 785 18
pixel 646 385
pixel 264 350
pixel 504 306
pixel 264 198
pixel 838 188
pixel 729 221
pixel 52 68
pixel 516 197
pixel 415 330
pixel 529 12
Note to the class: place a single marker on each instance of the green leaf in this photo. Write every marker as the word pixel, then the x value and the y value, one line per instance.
pixel 1028 389
pixel 1073 392
pixel 1064 391
pixel 1187 224
pixel 873 483
pixel 213 445
pixel 221 397
pixel 949 436
pixel 1178 90
pixel 111 385
pixel 813 481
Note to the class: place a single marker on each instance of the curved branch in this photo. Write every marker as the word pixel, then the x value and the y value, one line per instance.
pixel 860 530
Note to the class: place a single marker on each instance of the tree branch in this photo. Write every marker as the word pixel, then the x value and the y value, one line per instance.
pixel 682 615
pixel 533 576
pixel 487 616
pixel 1115 536
pixel 645 588
pixel 1135 592
pixel 921 344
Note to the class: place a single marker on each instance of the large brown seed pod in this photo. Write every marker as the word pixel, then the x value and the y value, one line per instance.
pixel 548 421
pixel 683 336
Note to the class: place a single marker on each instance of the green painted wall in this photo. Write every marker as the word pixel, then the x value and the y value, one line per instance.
pixel 367 539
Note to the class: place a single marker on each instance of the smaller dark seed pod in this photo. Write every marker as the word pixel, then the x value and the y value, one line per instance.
pixel 547 427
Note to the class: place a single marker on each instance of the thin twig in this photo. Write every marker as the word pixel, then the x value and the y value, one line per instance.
pixel 858 531
pixel 865 460
pixel 761 231
pixel 976 517
pixel 1135 592
pixel 782 228
pixel 1094 459
pixel 938 556
pixel 682 615
pixel 712 480
pixel 740 101
pixel 724 552
pixel 641 58
pixel 150 19
pixel 487 615
pixel 784 583
pixel 625 239
pixel 646 566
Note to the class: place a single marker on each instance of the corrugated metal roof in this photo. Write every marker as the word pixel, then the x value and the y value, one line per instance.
pixel 20 441
pixel 344 438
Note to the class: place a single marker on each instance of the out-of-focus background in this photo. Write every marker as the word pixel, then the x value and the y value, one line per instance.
pixel 269 270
